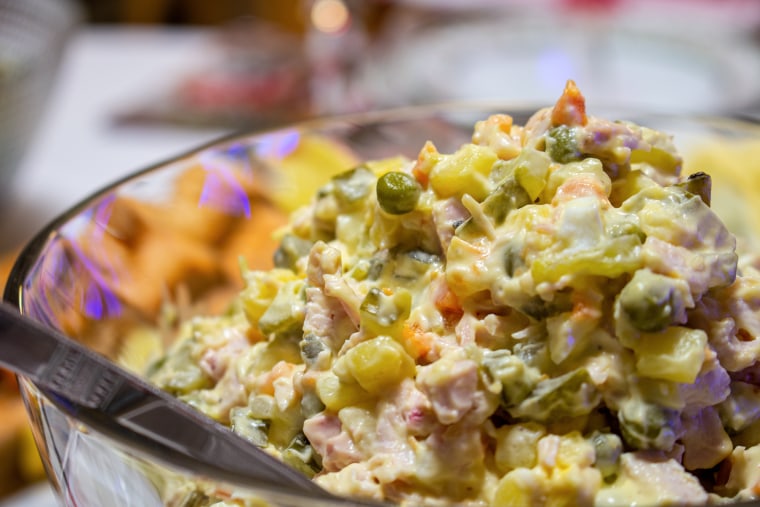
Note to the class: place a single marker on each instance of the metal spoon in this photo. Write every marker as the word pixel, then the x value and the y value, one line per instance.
pixel 123 406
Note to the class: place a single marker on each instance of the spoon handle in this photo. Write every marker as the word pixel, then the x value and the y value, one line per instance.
pixel 124 406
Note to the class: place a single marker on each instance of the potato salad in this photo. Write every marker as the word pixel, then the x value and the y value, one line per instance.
pixel 550 315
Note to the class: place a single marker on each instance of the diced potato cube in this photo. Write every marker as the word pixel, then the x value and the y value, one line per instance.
pixel 261 289
pixel 573 486
pixel 516 446
pixel 519 488
pixel 574 450
pixel 379 364
pixel 676 354
pixel 336 394
pixel 465 171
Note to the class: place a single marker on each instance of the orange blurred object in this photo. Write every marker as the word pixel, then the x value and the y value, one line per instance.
pixel 19 463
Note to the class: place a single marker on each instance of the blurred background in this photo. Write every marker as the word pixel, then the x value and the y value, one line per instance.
pixel 92 90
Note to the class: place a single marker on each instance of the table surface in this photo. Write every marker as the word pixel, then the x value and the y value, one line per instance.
pixel 78 148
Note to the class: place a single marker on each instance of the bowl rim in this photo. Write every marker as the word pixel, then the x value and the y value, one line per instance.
pixel 30 252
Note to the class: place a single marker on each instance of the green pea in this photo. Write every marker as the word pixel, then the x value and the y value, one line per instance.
pixel 562 145
pixel 398 193
pixel 650 301
pixel 645 425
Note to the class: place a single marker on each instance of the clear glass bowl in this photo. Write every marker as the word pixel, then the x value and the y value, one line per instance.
pixel 177 230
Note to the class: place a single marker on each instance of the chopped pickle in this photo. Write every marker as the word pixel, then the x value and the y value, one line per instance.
pixel 508 196
pixel 698 184
pixel 382 313
pixel 569 395
pixel 353 186
pixel 562 144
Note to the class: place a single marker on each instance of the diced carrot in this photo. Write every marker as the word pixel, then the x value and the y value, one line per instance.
pixel 570 108
pixel 266 381
pixel 420 176
pixel 580 186
pixel 223 493
pixel 417 343
pixel 585 306
pixel 425 161
pixel 448 304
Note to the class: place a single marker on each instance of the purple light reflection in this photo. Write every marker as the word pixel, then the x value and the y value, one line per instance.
pixel 98 300
pixel 238 151
pixel 37 286
pixel 224 194
pixel 222 190
pixel 278 145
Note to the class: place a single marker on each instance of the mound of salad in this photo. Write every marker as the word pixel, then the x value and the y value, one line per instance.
pixel 550 315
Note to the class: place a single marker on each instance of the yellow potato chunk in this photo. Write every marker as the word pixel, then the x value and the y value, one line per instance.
pixel 574 450
pixel 675 354
pixel 379 364
pixel 336 394
pixel 519 488
pixel 516 445
pixel 465 171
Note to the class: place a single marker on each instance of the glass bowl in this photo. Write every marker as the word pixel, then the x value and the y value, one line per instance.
pixel 179 229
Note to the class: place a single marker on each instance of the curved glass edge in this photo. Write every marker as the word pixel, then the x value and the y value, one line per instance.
pixel 268 142
pixel 457 113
